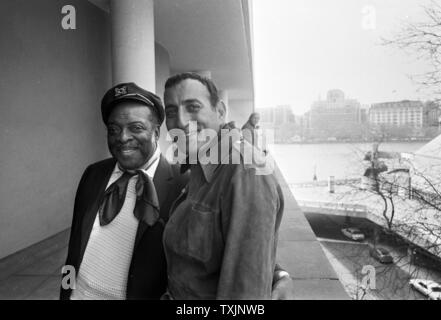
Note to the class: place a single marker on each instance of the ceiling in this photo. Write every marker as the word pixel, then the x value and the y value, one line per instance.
pixel 212 35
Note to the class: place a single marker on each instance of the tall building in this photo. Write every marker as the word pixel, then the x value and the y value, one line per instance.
pixel 397 113
pixel 364 114
pixel 271 117
pixel 334 117
pixel 283 114
pixel 280 119
pixel 266 116
pixel 431 114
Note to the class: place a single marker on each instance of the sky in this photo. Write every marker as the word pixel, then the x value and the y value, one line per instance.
pixel 303 48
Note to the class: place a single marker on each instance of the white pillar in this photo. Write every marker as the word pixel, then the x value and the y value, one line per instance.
pixel 133 42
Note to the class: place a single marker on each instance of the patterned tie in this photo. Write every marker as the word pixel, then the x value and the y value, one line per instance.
pixel 147 204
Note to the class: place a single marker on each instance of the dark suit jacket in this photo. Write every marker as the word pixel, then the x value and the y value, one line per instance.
pixel 148 271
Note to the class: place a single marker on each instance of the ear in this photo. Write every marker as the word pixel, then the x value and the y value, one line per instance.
pixel 157 132
pixel 222 110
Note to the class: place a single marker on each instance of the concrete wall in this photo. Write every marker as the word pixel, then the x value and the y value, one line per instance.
pixel 162 65
pixel 51 84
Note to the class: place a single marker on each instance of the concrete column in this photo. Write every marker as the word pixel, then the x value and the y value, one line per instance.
pixel 133 42
pixel 162 62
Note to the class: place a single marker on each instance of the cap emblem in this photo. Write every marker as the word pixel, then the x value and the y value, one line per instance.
pixel 120 91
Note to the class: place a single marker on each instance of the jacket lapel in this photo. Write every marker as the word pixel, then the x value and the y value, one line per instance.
pixel 162 180
pixel 101 179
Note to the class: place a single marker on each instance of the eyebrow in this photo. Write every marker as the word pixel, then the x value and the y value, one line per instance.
pixel 130 123
pixel 191 101
pixel 185 102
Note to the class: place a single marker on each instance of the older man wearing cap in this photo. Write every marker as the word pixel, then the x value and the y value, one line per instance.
pixel 122 204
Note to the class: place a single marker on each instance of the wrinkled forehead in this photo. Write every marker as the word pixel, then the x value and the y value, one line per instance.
pixel 186 90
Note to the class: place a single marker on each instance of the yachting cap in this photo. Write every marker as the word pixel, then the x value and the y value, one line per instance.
pixel 130 91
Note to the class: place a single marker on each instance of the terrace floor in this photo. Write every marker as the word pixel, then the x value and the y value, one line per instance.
pixel 35 272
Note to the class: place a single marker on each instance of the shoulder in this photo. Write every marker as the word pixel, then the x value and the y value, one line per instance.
pixel 92 178
pixel 99 168
pixel 102 165
pixel 253 159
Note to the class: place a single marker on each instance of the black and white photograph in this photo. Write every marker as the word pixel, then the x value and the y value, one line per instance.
pixel 240 151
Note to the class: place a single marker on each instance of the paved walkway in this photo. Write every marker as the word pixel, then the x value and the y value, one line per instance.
pixel 301 254
pixel 35 272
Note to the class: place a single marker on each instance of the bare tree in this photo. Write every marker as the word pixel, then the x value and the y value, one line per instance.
pixel 422 40
pixel 419 207
pixel 404 215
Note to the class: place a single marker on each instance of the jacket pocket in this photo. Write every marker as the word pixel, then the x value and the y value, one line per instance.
pixel 199 233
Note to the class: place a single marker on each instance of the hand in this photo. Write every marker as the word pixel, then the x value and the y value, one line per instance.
pixel 283 289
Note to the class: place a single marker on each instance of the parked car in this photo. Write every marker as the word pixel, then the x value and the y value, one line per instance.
pixel 381 254
pixel 353 233
pixel 429 288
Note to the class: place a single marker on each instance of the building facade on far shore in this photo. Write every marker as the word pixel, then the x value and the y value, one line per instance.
pixel 397 113
pixel 432 114
pixel 336 116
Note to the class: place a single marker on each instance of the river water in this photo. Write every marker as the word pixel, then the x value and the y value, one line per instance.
pixel 341 160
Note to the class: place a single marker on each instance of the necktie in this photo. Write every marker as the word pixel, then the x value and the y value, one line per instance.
pixel 147 204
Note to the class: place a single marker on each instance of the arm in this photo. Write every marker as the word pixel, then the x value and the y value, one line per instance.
pixel 251 213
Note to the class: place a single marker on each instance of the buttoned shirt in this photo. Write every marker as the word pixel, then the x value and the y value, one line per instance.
pixel 105 267
pixel 220 241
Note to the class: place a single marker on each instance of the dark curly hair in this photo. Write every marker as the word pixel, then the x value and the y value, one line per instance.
pixel 208 83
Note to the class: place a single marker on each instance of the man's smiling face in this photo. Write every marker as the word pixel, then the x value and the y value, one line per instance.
pixel 189 100
pixel 132 134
